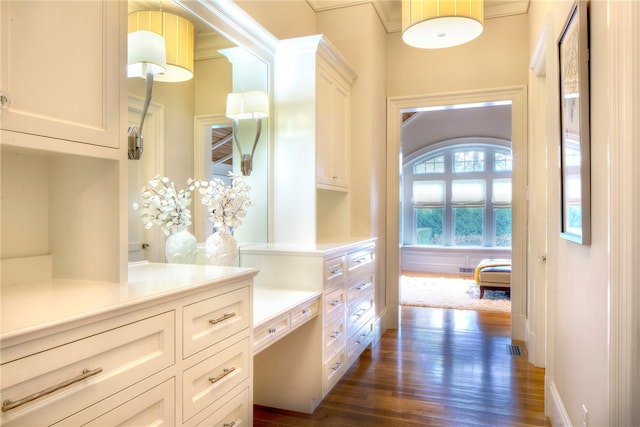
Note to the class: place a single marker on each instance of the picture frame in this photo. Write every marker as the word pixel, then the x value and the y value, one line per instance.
pixel 575 142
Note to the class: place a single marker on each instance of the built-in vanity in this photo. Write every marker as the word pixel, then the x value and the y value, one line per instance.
pixel 89 338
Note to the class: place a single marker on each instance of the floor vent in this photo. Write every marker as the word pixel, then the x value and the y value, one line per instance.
pixel 467 270
pixel 514 350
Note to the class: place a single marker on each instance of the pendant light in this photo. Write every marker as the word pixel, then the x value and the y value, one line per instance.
pixel 434 24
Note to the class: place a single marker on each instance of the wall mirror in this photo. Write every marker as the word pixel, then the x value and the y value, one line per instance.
pixel 186 132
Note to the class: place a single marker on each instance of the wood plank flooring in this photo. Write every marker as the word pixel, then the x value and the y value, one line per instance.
pixel 441 368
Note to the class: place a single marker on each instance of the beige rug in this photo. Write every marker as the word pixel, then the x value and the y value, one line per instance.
pixel 462 294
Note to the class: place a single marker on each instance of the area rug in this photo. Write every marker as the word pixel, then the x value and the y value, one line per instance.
pixel 461 294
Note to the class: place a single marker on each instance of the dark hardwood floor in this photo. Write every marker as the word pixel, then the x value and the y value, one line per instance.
pixel 441 368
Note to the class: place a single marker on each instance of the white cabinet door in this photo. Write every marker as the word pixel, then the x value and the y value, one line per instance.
pixel 60 69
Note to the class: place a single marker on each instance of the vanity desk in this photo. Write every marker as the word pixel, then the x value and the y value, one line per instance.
pixel 320 299
pixel 170 347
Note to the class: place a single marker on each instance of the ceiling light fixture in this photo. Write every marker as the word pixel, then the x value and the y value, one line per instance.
pixel 435 24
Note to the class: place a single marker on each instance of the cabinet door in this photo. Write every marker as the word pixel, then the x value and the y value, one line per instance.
pixel 60 69
pixel 332 130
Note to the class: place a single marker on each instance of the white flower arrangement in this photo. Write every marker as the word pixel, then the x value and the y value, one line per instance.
pixel 226 204
pixel 162 205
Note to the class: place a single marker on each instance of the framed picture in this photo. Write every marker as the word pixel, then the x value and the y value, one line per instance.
pixel 575 162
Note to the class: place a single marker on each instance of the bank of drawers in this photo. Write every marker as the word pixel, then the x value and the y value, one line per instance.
pixel 138 369
pixel 276 328
pixel 349 310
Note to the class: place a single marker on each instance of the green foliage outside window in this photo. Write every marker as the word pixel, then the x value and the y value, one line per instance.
pixel 429 226
pixel 468 226
pixel 503 227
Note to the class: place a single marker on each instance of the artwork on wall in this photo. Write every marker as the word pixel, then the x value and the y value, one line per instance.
pixel 575 163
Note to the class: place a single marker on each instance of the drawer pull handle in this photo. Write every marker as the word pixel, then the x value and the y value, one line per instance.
pixel 231 424
pixel 86 373
pixel 335 335
pixel 337 366
pixel 222 319
pixel 360 312
pixel 224 373
pixel 306 311
pixel 335 303
pixel 272 330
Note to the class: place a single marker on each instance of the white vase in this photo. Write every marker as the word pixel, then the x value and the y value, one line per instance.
pixel 221 248
pixel 181 248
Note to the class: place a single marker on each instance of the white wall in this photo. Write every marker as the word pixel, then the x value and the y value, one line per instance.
pixel 577 369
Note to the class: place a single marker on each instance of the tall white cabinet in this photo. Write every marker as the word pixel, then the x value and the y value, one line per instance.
pixel 312 141
pixel 62 139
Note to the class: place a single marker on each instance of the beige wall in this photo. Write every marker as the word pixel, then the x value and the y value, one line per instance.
pixel 577 276
pixel 497 58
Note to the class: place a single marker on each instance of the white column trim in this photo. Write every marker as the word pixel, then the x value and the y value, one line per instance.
pixel 624 89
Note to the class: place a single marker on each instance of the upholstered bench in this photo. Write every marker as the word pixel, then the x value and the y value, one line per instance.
pixel 493 275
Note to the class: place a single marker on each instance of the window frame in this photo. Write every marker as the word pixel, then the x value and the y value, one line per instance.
pixel 447 148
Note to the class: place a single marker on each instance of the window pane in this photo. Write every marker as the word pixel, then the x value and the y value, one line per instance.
pixel 502 162
pixel 433 165
pixel 429 226
pixel 502 191
pixel 468 191
pixel 468 161
pixel 468 226
pixel 428 192
pixel 503 227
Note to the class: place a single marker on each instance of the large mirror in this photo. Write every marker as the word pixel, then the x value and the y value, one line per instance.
pixel 186 133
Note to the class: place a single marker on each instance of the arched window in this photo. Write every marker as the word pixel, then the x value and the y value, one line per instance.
pixel 459 194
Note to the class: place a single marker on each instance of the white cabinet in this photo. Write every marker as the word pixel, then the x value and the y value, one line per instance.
pixel 61 70
pixel 312 91
pixel 171 347
pixel 315 357
pixel 62 133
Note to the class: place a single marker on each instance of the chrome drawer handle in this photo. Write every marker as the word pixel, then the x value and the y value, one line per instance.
pixel 305 311
pixel 272 330
pixel 222 319
pixel 335 303
pixel 337 366
pixel 335 335
pixel 86 373
pixel 224 373
pixel 360 312
pixel 231 424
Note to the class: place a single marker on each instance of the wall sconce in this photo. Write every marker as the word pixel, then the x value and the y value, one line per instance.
pixel 146 58
pixel 433 24
pixel 247 105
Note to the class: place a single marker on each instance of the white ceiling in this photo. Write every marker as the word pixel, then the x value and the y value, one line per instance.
pixel 390 11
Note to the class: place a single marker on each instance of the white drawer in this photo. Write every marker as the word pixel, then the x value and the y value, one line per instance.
pixel 92 368
pixel 334 303
pixel 234 413
pixel 358 313
pixel 359 341
pixel 334 338
pixel 155 407
pixel 304 313
pixel 212 320
pixel 360 259
pixel 334 272
pixel 356 288
pixel 270 332
pixel 333 371
pixel 212 378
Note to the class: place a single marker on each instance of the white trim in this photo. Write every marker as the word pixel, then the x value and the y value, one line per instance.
pixel 624 268
pixel 456 141
pixel 518 97
pixel 558 414
pixel 202 164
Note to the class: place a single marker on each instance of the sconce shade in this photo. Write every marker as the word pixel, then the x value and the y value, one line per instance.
pixel 146 52
pixel 433 24
pixel 178 34
pixel 248 105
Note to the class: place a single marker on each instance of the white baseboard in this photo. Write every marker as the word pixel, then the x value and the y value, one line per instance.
pixel 557 413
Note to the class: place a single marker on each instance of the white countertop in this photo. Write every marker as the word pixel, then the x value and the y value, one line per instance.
pixel 299 249
pixel 270 303
pixel 31 307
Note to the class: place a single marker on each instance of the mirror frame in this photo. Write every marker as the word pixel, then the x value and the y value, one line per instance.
pixel 235 24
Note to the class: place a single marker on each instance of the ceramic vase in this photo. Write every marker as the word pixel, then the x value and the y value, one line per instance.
pixel 181 248
pixel 221 248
